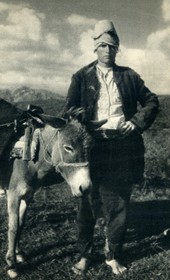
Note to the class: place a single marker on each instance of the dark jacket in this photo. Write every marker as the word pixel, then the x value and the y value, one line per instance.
pixel 84 92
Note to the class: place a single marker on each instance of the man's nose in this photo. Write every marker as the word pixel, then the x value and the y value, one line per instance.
pixel 108 48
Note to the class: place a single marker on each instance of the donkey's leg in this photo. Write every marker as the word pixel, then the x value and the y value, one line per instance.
pixel 13 223
pixel 22 213
pixel 86 224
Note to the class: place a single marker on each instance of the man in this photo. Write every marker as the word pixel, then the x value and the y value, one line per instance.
pixel 108 91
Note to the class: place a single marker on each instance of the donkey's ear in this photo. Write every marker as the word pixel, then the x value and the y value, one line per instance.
pixel 53 121
pixel 57 122
pixel 92 125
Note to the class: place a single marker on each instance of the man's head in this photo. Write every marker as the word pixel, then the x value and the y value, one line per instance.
pixel 106 42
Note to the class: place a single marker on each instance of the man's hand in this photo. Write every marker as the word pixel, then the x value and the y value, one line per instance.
pixel 126 128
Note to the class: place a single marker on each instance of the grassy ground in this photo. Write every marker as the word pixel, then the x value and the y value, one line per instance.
pixel 50 233
pixel 49 238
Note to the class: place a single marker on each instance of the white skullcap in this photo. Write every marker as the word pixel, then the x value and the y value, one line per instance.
pixel 105 32
pixel 103 26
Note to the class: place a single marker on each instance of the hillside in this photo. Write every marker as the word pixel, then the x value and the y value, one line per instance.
pixel 27 94
pixel 163 119
pixel 157 141
pixel 51 102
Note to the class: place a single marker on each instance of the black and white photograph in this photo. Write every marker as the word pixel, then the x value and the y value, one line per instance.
pixel 84 139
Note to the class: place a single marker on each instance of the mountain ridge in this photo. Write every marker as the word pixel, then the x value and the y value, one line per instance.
pixel 28 94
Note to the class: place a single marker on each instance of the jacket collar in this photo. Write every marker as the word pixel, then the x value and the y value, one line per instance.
pixel 91 72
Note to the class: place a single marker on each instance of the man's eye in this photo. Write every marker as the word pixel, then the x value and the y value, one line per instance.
pixel 113 48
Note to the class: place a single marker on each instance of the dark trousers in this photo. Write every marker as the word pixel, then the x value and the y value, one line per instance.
pixel 112 184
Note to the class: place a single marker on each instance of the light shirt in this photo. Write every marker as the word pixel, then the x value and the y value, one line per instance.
pixel 109 104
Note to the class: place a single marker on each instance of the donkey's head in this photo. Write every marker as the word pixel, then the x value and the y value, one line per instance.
pixel 70 153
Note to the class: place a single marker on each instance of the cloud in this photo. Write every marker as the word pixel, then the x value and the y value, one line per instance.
pixel 150 64
pixel 166 10
pixel 53 41
pixel 85 46
pixel 25 23
pixel 75 19
pixel 29 55
pixel 32 56
pixel 21 23
pixel 6 7
pixel 160 40
pixel 86 41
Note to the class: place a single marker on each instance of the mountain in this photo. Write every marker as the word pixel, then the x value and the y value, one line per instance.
pixel 26 94
pixel 6 94
pixel 51 102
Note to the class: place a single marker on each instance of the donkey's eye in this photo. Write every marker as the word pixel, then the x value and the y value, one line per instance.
pixel 68 149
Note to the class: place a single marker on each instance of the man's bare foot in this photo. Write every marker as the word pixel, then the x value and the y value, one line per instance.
pixel 116 267
pixel 167 232
pixel 80 267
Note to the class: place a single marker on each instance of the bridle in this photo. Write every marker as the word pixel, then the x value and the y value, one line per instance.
pixel 62 163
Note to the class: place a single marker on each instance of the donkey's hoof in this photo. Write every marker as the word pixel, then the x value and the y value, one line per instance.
pixel 2 193
pixel 12 273
pixel 20 257
pixel 81 267
pixel 116 267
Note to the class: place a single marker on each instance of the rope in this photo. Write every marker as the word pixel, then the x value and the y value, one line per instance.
pixel 46 152
pixel 14 123
pixel 63 163
pixel 7 124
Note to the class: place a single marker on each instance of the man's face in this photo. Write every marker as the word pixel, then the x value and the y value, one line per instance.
pixel 106 54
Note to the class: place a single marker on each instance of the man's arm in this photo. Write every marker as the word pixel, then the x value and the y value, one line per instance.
pixel 73 96
pixel 146 115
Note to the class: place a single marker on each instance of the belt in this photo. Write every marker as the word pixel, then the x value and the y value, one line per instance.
pixel 106 134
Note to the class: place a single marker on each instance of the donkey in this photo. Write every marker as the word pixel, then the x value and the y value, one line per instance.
pixel 64 147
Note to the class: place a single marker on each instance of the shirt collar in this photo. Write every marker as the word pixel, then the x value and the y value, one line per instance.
pixel 104 70
pixel 106 73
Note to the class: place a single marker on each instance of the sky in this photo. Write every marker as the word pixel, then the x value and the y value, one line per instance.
pixel 44 42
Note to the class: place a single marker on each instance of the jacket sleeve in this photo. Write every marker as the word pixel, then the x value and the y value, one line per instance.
pixel 73 96
pixel 146 115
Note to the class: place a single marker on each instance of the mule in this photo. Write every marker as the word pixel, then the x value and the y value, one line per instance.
pixel 64 147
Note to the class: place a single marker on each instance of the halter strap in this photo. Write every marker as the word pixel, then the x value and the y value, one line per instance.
pixel 74 164
pixel 63 163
